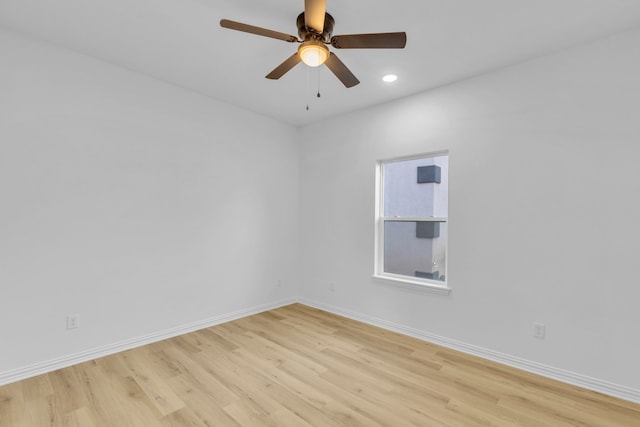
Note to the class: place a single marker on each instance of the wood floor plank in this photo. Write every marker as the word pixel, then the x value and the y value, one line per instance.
pixel 243 415
pixel 284 417
pixel 151 382
pixel 66 390
pixel 205 406
pixel 183 417
pixel 361 401
pixel 202 376
pixel 36 387
pixel 114 398
pixel 83 417
pixel 12 405
pixel 299 366
pixel 309 392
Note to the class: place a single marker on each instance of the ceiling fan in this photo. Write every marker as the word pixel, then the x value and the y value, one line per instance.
pixel 315 28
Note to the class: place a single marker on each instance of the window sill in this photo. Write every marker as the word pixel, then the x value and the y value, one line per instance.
pixel 416 285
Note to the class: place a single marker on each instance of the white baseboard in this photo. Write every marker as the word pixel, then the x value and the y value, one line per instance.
pixel 84 356
pixel 594 384
pixel 579 380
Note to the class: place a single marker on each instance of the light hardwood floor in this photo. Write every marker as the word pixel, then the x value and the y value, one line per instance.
pixel 298 366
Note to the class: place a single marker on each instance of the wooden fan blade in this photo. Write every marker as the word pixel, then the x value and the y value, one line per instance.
pixel 281 69
pixel 370 41
pixel 314 11
pixel 341 71
pixel 239 26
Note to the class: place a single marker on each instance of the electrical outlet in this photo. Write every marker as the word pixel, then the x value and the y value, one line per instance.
pixel 539 330
pixel 73 321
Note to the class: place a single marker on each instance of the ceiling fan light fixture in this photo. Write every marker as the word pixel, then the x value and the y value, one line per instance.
pixel 313 53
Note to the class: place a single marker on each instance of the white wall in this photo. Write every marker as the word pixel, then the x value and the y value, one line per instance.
pixel 543 209
pixel 136 204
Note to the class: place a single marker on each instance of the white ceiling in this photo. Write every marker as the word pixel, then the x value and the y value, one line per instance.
pixel 181 42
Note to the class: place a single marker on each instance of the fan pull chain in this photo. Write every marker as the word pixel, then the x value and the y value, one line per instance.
pixel 308 84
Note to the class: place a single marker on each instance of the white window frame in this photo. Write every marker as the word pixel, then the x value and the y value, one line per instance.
pixel 379 275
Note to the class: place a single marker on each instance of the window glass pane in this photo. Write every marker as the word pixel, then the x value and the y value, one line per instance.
pixel 416 249
pixel 417 188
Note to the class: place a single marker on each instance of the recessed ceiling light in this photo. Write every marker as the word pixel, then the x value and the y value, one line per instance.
pixel 390 78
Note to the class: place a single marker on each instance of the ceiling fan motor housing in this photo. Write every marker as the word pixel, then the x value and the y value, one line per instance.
pixel 310 34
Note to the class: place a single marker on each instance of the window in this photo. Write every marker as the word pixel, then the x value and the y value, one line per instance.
pixel 411 221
